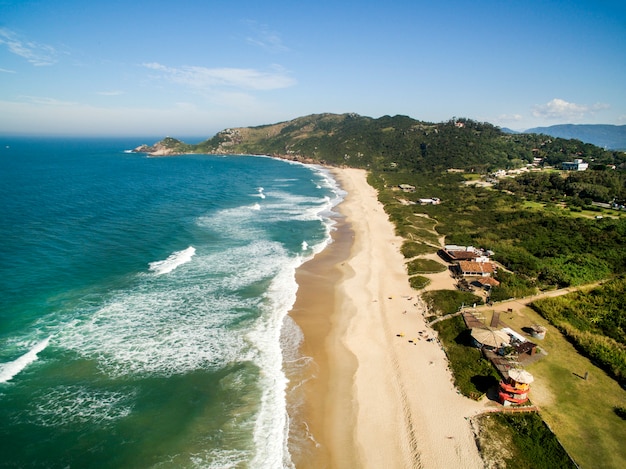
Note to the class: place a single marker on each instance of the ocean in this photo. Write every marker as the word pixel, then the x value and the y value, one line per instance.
pixel 144 304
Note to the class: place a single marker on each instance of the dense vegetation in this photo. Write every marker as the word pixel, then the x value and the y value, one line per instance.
pixel 443 302
pixel 473 374
pixel 528 441
pixel 574 188
pixel 546 247
pixel 595 322
pixel 400 142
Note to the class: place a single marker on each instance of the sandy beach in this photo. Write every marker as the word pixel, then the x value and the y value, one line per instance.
pixel 380 393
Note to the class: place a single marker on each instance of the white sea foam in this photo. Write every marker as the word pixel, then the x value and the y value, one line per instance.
pixel 63 405
pixel 220 459
pixel 299 369
pixel 10 369
pixel 256 207
pixel 182 324
pixel 305 245
pixel 260 193
pixel 175 260
pixel 158 333
pixel 271 428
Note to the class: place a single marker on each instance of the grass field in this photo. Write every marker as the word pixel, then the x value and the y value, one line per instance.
pixel 580 412
pixel 520 441
pixel 573 212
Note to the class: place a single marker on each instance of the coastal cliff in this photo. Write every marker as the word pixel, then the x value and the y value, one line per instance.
pixel 167 147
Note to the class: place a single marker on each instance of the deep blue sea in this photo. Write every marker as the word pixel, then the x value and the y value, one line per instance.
pixel 144 301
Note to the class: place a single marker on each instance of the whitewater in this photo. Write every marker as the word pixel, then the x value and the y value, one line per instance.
pixel 143 320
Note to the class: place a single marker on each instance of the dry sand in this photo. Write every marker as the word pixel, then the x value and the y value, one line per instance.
pixel 381 394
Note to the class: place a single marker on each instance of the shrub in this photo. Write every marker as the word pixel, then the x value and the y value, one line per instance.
pixel 449 301
pixel 411 249
pixel 473 375
pixel 418 282
pixel 425 266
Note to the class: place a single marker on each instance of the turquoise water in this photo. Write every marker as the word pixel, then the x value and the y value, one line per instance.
pixel 143 303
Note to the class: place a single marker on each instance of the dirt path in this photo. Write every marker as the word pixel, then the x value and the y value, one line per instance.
pixel 515 303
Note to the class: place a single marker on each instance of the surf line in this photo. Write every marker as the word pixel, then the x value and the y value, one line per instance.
pixel 10 369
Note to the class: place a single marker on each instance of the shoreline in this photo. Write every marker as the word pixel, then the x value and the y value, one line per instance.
pixel 322 386
pixel 378 394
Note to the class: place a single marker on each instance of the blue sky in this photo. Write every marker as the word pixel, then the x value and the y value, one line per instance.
pixel 192 67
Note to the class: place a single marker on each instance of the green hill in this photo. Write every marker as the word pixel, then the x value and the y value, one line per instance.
pixel 394 142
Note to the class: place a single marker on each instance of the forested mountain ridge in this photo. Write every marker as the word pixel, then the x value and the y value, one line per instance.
pixel 393 142
pixel 612 137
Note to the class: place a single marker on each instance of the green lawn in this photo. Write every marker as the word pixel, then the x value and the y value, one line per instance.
pixel 580 412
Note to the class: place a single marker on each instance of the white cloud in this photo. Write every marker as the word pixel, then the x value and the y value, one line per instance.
pixel 4 70
pixel 46 101
pixel 265 38
pixel 207 79
pixel 559 109
pixel 510 117
pixel 110 93
pixel 35 53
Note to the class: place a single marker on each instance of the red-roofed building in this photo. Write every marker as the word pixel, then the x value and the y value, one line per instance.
pixel 476 269
pixel 454 253
pixel 487 282
pixel 461 255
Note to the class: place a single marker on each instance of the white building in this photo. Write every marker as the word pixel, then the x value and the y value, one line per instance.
pixel 576 165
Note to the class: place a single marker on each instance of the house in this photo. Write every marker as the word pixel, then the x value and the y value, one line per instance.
pixel 454 253
pixel 576 165
pixel 487 283
pixel 459 255
pixel 431 201
pixel 475 269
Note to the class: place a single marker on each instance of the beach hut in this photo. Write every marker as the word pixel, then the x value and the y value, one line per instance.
pixel 515 387
pixel 490 338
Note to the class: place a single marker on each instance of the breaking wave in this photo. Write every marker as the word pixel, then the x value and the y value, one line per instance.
pixel 175 260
